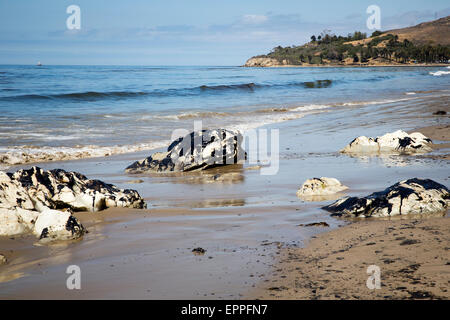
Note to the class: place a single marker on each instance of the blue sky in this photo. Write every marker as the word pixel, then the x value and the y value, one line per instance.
pixel 185 32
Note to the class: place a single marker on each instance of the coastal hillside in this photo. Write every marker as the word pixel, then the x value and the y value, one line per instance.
pixel 427 43
pixel 434 32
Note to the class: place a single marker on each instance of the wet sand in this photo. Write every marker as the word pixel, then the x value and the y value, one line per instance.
pixel 440 134
pixel 242 219
pixel 147 254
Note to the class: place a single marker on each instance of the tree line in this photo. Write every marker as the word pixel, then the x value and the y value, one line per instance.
pixel 329 48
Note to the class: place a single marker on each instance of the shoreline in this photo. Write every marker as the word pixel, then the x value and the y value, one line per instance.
pixel 82 152
pixel 352 66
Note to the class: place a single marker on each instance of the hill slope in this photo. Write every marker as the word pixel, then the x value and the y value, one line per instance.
pixel 433 32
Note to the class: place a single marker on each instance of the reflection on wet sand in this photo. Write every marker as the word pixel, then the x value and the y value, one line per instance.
pixel 27 254
pixel 328 197
pixel 215 203
pixel 6 277
pixel 231 174
pixel 422 216
pixel 389 160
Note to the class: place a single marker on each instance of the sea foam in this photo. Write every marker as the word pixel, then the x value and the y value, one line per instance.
pixel 440 73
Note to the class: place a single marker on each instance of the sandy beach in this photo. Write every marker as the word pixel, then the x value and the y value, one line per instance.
pixel 249 224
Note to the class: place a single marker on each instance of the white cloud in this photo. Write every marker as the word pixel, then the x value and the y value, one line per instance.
pixel 253 19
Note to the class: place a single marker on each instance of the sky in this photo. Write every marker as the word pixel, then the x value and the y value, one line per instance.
pixel 185 32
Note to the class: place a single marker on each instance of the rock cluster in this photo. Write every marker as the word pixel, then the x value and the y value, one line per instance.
pixel 395 142
pixel 413 196
pixel 59 189
pixel 198 150
pixel 42 201
pixel 320 187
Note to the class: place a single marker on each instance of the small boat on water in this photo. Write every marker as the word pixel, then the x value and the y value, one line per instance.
pixel 39 64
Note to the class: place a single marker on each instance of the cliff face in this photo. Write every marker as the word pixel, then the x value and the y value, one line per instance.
pixel 264 62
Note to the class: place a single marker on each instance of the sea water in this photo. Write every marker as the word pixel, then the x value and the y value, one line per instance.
pixel 69 112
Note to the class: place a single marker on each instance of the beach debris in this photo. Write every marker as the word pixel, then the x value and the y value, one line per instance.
pixel 421 295
pixel 395 142
pixel 198 150
pixel 409 242
pixel 3 259
pixel 320 187
pixel 42 202
pixel 440 113
pixel 281 288
pixel 198 251
pixel 315 224
pixel 413 196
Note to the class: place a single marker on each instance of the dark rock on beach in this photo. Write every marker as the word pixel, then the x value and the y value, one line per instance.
pixel 57 225
pixel 315 224
pixel 198 150
pixel 413 196
pixel 198 251
pixel 42 201
pixel 59 189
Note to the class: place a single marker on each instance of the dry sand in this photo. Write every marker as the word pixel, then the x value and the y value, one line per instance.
pixel 413 256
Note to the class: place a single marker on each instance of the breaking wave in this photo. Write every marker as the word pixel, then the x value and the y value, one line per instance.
pixel 440 72
pixel 27 154
pixel 239 120
pixel 204 89
pixel 89 95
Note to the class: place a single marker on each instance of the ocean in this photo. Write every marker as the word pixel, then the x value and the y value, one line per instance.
pixel 70 112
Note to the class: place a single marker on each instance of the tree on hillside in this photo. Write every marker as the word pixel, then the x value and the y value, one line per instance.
pixel 376 33
pixel 327 47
